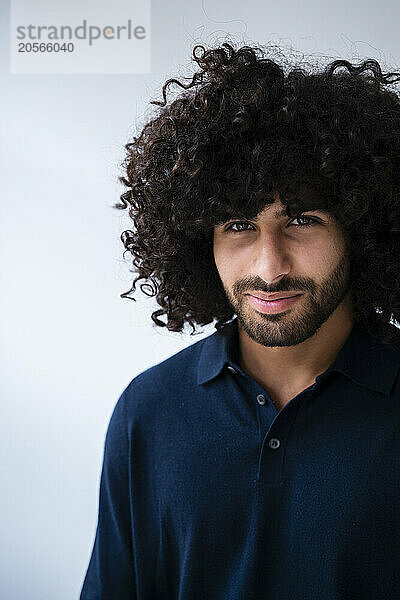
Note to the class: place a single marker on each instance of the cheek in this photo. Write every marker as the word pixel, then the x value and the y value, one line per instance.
pixel 224 266
pixel 221 255
pixel 229 263
pixel 322 257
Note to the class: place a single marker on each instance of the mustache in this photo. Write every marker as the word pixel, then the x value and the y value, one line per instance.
pixel 284 285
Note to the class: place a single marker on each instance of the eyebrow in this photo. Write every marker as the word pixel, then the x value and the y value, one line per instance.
pixel 278 214
pixel 282 213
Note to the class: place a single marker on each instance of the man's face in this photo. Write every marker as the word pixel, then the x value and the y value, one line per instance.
pixel 305 256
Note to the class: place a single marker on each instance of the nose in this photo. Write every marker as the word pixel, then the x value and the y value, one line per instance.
pixel 270 259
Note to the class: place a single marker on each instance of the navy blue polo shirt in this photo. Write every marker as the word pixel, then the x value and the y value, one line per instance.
pixel 209 492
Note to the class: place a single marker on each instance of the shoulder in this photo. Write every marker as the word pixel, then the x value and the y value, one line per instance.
pixel 174 370
pixel 391 347
pixel 164 382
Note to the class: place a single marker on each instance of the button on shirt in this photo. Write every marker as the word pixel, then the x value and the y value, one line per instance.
pixel 209 493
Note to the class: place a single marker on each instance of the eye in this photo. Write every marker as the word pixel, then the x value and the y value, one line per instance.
pixel 238 226
pixel 311 221
pixel 242 226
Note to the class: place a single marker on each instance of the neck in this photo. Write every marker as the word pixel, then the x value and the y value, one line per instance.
pixel 285 370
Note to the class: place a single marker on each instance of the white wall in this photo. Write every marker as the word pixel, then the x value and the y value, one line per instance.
pixel 69 343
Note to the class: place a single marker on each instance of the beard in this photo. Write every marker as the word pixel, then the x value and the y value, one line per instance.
pixel 299 323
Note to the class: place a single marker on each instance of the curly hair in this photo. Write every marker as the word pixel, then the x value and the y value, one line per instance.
pixel 242 129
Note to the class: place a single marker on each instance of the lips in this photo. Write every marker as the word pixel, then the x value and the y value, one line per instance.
pixel 273 307
pixel 272 297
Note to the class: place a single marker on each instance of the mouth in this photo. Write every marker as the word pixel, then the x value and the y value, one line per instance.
pixel 275 305
pixel 273 297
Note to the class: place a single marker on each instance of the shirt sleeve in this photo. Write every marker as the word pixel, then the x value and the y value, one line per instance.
pixel 110 574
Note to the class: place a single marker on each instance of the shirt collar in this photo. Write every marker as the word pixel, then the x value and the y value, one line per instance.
pixel 362 359
pixel 217 351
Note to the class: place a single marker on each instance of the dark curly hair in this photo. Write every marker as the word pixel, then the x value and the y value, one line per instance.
pixel 242 129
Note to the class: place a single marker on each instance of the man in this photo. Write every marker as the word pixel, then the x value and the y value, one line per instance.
pixel 262 462
pixel 291 329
